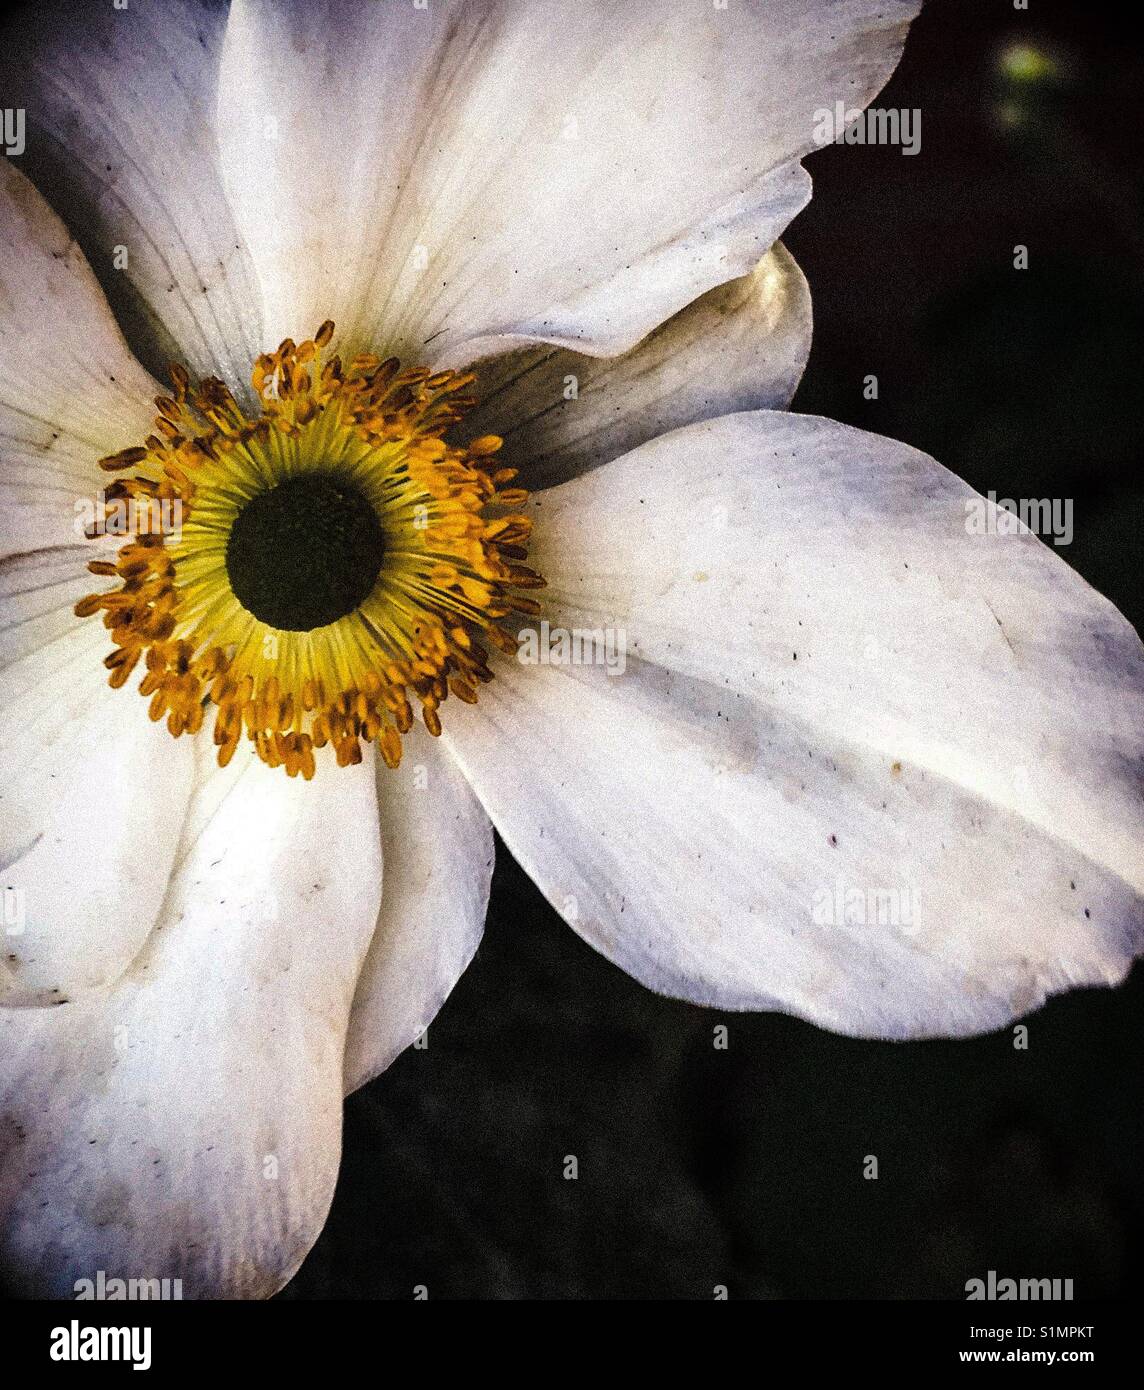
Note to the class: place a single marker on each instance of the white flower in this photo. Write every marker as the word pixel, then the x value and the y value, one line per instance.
pixel 829 684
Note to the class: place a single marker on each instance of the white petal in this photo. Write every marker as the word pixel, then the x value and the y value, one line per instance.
pixel 834 693
pixel 92 794
pixel 119 138
pixel 187 1124
pixel 438 846
pixel 70 391
pixel 451 181
pixel 741 346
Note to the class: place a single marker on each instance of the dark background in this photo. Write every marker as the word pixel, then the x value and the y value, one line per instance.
pixel 744 1167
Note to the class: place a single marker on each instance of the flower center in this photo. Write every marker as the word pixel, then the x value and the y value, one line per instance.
pixel 306 553
pixel 332 562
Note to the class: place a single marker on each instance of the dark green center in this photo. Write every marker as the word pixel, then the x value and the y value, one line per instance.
pixel 305 553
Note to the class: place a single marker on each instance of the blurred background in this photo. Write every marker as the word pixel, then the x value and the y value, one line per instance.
pixel 743 1167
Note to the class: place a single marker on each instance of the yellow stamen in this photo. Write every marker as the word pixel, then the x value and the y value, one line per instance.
pixel 449 575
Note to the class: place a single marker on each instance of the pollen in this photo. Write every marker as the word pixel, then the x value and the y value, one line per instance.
pixel 318 572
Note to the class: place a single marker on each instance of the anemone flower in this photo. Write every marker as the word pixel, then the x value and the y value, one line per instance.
pixel 708 667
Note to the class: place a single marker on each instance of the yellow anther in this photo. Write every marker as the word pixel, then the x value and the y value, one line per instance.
pixel 449 572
